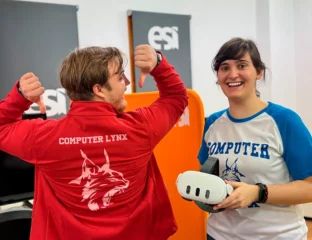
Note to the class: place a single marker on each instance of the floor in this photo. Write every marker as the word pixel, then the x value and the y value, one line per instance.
pixel 309 223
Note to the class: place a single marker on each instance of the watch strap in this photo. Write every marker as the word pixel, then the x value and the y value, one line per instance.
pixel 263 193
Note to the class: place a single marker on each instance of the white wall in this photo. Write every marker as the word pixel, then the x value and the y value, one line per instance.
pixel 303 59
pixel 264 46
pixel 283 84
pixel 104 22
pixel 284 37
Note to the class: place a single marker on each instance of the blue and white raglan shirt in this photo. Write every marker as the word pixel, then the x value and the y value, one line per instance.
pixel 271 147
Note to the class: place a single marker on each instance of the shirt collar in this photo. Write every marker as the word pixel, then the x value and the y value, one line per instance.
pixel 92 108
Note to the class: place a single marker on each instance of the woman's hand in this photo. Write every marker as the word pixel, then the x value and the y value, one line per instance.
pixel 243 195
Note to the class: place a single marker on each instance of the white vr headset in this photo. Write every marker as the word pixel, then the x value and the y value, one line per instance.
pixel 205 188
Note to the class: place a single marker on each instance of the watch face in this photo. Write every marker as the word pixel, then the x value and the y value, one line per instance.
pixel 159 56
pixel 262 193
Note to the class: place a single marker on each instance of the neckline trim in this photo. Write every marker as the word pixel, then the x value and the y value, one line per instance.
pixel 241 120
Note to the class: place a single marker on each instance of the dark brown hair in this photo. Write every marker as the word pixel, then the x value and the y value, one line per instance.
pixel 85 67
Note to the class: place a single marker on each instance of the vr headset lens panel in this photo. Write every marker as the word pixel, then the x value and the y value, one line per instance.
pixel 202 187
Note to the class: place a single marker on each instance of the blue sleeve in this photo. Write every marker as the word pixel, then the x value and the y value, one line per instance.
pixel 203 151
pixel 297 142
pixel 298 148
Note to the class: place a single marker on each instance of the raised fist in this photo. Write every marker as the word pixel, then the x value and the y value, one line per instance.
pixel 32 90
pixel 145 58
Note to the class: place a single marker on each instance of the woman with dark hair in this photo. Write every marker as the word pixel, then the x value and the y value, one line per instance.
pixel 264 152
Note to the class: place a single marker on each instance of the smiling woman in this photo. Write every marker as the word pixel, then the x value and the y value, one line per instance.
pixel 238 66
pixel 264 152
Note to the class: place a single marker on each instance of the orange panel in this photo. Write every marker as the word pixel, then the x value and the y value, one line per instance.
pixel 177 153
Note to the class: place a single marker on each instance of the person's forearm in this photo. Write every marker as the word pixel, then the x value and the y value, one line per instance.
pixel 169 82
pixel 13 106
pixel 292 193
pixel 165 112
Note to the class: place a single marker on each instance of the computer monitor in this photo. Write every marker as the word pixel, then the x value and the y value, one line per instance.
pixel 16 175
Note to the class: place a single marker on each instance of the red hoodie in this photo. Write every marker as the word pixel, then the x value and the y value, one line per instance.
pixel 96 176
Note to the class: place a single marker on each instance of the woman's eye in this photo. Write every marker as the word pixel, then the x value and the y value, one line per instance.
pixel 242 66
pixel 223 69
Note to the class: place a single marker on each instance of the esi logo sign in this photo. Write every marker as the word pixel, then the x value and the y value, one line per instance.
pixel 166 38
pixel 55 101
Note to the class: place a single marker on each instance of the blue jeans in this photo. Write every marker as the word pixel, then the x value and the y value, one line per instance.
pixel 210 238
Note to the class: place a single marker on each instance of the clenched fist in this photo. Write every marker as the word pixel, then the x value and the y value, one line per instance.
pixel 32 90
pixel 145 58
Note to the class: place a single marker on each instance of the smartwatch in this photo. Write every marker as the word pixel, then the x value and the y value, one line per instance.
pixel 159 58
pixel 263 193
pixel 19 89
